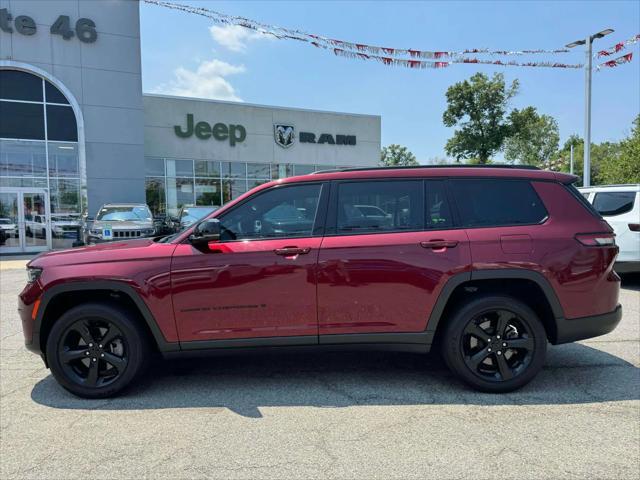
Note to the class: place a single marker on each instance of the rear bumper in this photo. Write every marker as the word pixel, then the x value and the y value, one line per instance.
pixel 626 267
pixel 587 327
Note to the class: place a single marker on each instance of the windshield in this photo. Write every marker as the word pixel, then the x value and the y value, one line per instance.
pixel 123 214
pixel 64 218
pixel 5 221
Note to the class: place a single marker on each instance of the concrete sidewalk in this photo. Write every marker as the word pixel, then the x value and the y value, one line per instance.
pixel 12 262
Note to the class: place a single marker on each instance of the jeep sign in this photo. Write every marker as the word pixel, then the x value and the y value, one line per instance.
pixel 219 131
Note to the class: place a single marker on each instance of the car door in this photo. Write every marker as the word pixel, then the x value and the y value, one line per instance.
pixel 383 272
pixel 259 280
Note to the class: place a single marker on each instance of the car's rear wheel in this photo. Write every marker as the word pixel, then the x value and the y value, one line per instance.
pixel 495 344
pixel 95 350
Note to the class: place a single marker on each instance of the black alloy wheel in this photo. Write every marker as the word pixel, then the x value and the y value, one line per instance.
pixel 495 343
pixel 95 350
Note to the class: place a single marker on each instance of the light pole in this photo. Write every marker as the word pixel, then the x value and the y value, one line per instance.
pixel 586 179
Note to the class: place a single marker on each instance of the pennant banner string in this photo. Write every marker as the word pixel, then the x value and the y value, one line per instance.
pixel 317 40
pixel 618 47
pixel 616 61
pixel 421 64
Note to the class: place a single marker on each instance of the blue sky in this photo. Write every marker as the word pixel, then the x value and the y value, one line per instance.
pixel 181 55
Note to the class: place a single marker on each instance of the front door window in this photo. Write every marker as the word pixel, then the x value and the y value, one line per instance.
pixel 284 212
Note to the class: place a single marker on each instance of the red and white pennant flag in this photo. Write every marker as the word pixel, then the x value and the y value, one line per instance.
pixel 616 61
pixel 618 47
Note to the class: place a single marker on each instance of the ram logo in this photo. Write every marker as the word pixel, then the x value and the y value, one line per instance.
pixel 284 135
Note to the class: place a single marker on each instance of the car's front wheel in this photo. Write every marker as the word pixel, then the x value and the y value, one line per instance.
pixel 495 344
pixel 95 350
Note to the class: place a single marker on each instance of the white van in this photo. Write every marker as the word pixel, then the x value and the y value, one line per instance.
pixel 620 207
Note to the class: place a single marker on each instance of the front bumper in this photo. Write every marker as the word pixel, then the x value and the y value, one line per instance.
pixel 587 327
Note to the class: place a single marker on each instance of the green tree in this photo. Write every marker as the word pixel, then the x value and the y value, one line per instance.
pixel 478 107
pixel 534 138
pixel 396 155
pixel 625 166
pixel 603 156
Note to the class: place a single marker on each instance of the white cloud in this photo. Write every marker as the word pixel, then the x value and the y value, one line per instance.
pixel 206 81
pixel 235 37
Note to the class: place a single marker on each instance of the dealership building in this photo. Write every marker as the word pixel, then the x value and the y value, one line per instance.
pixel 77 132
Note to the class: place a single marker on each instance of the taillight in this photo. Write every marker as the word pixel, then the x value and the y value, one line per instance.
pixel 634 227
pixel 597 239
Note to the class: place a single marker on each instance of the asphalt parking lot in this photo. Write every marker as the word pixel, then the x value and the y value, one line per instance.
pixel 355 415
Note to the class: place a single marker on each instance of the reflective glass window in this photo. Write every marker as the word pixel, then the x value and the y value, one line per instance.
pixel 61 123
pixel 22 120
pixel 154 166
pixel 258 170
pixel 155 194
pixel 207 168
pixel 53 94
pixel 19 158
pixel 63 159
pixel 17 85
pixel 208 192
pixel 179 168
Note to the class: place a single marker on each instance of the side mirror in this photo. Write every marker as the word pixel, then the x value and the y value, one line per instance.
pixel 205 232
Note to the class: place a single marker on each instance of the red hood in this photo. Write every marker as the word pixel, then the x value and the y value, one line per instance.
pixel 102 252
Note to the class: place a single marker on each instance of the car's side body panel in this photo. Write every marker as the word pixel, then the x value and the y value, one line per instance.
pixel 141 265
pixel 243 289
pixel 384 282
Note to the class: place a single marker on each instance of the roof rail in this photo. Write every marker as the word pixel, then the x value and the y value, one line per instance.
pixel 359 169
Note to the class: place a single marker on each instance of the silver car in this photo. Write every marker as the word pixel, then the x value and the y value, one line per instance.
pixel 120 221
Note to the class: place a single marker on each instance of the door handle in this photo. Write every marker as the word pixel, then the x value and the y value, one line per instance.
pixel 291 251
pixel 439 244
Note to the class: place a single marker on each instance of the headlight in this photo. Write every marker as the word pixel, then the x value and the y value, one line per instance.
pixel 33 274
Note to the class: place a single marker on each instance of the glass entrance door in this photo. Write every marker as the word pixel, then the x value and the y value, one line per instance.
pixel 24 220
pixel 9 237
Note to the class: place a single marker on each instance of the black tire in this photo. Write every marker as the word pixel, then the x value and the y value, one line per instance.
pixel 96 369
pixel 473 344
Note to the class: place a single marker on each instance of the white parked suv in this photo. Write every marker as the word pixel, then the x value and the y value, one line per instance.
pixel 620 207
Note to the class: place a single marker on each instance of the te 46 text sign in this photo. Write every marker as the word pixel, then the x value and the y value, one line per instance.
pixel 84 28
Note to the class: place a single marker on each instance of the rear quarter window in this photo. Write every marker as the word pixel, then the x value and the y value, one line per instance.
pixel 614 203
pixel 497 202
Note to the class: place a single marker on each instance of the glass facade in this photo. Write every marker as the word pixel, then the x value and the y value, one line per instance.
pixel 39 149
pixel 172 183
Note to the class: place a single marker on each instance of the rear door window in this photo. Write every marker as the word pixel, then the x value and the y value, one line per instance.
pixel 438 212
pixel 379 206
pixel 497 202
pixel 614 203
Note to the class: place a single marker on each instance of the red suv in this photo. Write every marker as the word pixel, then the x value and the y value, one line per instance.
pixel 486 264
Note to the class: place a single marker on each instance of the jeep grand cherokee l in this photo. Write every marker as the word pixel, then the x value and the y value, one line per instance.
pixel 487 265
pixel 119 221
